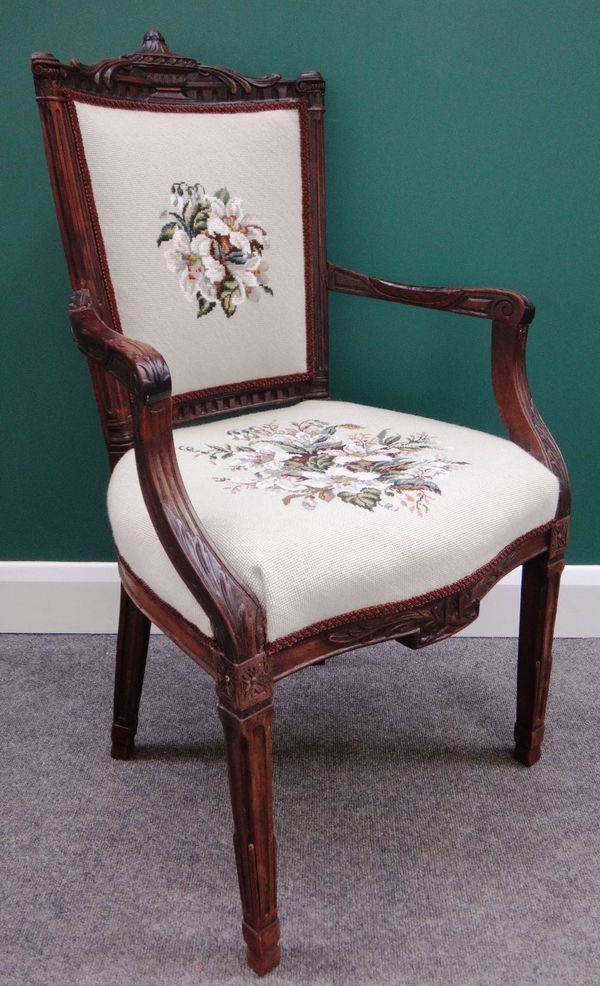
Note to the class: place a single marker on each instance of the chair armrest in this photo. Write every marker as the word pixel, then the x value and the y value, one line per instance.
pixel 510 313
pixel 502 306
pixel 235 614
pixel 141 369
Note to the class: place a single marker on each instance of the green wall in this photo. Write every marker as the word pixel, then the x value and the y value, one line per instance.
pixel 462 142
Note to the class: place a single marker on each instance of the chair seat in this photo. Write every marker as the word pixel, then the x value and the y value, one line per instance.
pixel 327 508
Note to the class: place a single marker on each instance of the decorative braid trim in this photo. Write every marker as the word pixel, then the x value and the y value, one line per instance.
pixel 264 383
pixel 208 642
pixel 393 608
pixel 369 612
pixel 72 96
pixel 95 221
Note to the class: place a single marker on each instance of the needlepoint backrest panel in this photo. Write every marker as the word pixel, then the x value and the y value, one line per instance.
pixel 200 216
pixel 204 197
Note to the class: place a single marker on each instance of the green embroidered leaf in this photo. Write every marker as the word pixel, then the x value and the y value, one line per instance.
pixel 320 462
pixel 196 216
pixel 367 498
pixel 199 221
pixel 228 286
pixel 204 306
pixel 166 233
pixel 227 305
pixel 417 484
pixel 267 289
pixel 223 194
pixel 387 437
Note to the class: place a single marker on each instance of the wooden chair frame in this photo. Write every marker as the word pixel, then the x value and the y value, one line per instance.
pixel 133 391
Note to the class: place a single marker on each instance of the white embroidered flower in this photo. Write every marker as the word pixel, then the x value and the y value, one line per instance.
pixel 215 248
pixel 253 230
pixel 313 461
pixel 198 270
pixel 248 278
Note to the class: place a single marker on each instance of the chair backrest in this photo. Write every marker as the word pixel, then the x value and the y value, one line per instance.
pixel 191 205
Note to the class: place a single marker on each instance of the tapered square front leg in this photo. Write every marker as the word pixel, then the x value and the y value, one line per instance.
pixel 246 711
pixel 132 649
pixel 539 597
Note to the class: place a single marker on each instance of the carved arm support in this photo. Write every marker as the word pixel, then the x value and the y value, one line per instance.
pixel 506 306
pixel 235 614
pixel 510 313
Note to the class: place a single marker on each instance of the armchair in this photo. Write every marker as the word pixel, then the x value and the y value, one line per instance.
pixel 268 541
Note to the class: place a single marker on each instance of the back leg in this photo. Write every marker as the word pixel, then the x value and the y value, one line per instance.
pixel 132 649
pixel 539 598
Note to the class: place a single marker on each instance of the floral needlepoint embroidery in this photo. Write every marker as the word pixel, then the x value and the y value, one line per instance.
pixel 315 461
pixel 215 248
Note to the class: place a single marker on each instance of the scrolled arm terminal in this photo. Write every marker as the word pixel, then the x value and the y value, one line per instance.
pixel 139 367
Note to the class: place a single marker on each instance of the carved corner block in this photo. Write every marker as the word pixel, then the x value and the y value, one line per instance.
pixel 558 539
pixel 244 685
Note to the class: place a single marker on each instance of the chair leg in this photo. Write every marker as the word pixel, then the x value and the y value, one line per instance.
pixel 539 598
pixel 132 648
pixel 249 761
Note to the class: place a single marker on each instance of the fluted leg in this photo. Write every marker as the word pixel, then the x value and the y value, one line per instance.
pixel 132 648
pixel 249 761
pixel 539 598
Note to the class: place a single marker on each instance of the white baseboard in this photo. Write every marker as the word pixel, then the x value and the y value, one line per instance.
pixel 83 597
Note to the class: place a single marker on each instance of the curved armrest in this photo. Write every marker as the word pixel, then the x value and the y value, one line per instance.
pixel 503 306
pixel 235 614
pixel 138 366
pixel 510 313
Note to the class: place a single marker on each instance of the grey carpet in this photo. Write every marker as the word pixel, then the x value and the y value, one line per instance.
pixel 413 850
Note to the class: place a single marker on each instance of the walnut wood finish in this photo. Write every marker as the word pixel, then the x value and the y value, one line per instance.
pixel 505 306
pixel 132 649
pixel 539 598
pixel 133 391
pixel 245 695
pixel 249 762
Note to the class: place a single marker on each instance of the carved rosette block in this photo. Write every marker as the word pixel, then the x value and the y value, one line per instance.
pixel 245 685
pixel 559 538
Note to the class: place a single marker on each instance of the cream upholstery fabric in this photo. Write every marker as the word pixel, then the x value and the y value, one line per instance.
pixel 327 507
pixel 134 157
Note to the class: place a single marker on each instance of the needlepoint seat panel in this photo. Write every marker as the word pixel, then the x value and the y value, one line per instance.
pixel 191 205
pixel 202 218
pixel 327 508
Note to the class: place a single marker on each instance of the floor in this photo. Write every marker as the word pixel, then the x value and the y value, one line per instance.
pixel 413 849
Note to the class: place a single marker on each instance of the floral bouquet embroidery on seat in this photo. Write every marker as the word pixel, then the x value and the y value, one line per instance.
pixel 215 248
pixel 315 461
